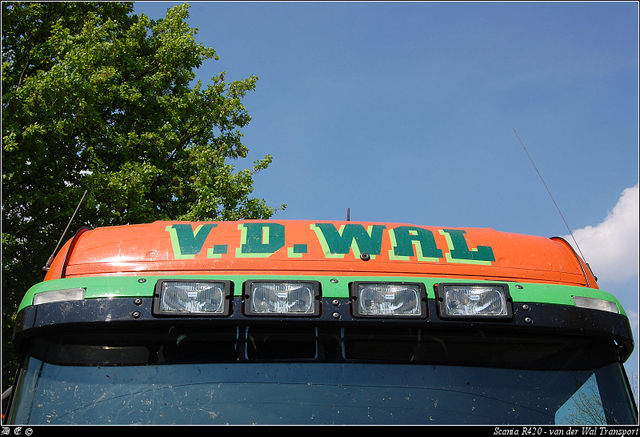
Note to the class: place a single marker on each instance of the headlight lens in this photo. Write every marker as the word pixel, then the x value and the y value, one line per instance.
pixel 291 298
pixel 201 298
pixel 388 299
pixel 474 300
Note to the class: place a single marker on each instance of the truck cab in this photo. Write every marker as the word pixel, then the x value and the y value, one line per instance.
pixel 319 322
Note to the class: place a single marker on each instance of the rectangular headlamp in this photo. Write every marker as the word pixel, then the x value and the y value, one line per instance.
pixel 192 298
pixel 483 301
pixel 388 299
pixel 282 298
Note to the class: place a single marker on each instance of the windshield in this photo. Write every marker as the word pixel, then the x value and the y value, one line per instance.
pixel 192 380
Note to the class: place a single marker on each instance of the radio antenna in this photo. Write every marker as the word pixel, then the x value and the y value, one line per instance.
pixel 50 260
pixel 550 195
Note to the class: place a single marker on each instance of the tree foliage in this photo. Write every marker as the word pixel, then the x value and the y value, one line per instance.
pixel 100 99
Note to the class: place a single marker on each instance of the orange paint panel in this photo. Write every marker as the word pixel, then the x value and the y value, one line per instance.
pixel 322 247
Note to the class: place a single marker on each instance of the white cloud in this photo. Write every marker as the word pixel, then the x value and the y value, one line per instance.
pixel 611 247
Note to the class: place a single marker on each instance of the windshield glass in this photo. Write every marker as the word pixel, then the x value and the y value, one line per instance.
pixel 96 384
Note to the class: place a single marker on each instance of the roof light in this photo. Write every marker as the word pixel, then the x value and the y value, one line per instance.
pixel 197 298
pixel 595 304
pixel 291 298
pixel 474 300
pixel 381 299
pixel 66 294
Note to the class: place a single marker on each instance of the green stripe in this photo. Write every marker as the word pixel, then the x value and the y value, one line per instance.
pixel 136 286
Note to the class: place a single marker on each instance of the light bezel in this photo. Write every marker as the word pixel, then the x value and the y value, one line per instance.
pixel 248 311
pixel 354 298
pixel 226 306
pixel 441 303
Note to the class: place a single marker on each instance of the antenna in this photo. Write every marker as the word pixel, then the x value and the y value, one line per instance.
pixel 50 260
pixel 549 191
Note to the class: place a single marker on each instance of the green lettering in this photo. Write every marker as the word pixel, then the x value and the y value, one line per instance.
pixel 337 243
pixel 185 241
pixel 404 238
pixel 260 240
pixel 296 251
pixel 459 250
pixel 217 251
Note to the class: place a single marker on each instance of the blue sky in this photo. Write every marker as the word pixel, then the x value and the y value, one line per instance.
pixel 405 112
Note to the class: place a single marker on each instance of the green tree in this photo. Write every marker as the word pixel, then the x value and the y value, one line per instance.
pixel 99 99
